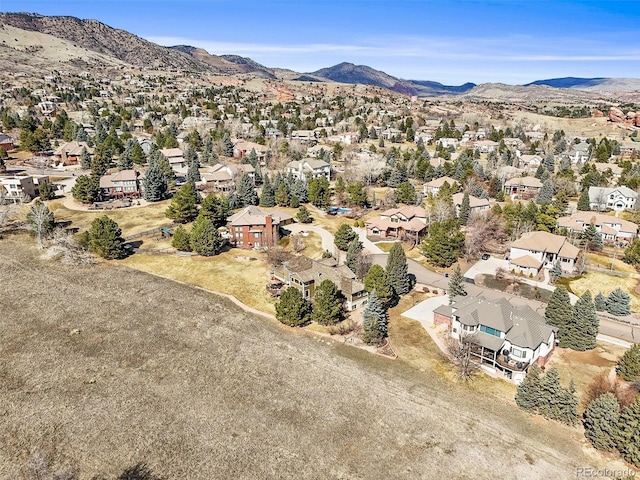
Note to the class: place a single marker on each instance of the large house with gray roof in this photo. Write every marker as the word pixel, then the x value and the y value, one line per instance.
pixel 618 198
pixel 505 338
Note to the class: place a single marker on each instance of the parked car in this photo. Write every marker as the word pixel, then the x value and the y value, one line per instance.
pixel 485 256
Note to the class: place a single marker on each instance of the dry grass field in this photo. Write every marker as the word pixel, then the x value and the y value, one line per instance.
pixel 105 366
pixel 605 283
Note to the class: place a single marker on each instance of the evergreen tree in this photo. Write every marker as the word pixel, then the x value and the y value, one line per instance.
pixel 282 195
pixel 85 159
pixel 267 195
pixel 86 189
pixel 465 209
pixel 155 183
pixel 125 162
pixel 552 396
pixel 584 203
pixel 344 236
pixel 619 303
pixel 339 189
pixel 105 238
pixel 405 193
pixel 205 237
pixel 183 207
pixel 46 191
pixel 632 253
pixel 600 302
pixel 181 239
pixel 303 215
pixel 628 366
pixel 456 285
pixel 247 191
pixel 193 173
pixel 556 271
pixel 593 237
pixel 353 254
pixel 601 422
pixel 444 243
pixel 374 321
pixel 528 394
pixel 328 304
pixel 559 311
pixel 549 162
pixel 357 194
pixel 545 195
pixel 227 146
pixel 137 154
pixel 216 209
pixel 398 270
pixel 320 192
pixel 580 333
pixel 378 280
pixel 292 309
pixel 628 437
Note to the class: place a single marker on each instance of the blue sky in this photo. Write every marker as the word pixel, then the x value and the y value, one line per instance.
pixel 509 41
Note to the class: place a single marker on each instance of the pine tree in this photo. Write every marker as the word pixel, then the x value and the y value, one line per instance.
pixel 125 162
pixel 320 192
pixel 601 422
pixel 267 195
pixel 193 173
pixel 600 302
pixel 216 209
pixel 303 215
pixel 406 193
pixel 398 270
pixel 619 303
pixel 584 204
pixel 353 253
pixel 628 437
pixel 528 395
pixel 465 209
pixel 569 406
pixel 551 395
pixel 456 285
pixel 327 304
pixel 86 189
pixel 559 311
pixel 556 271
pixel 374 321
pixel 549 162
pixel 105 238
pixel 581 332
pixel 593 237
pixel 137 154
pixel 181 239
pixel 282 195
pixel 246 191
pixel 183 207
pixel 628 366
pixel 227 146
pixel 344 236
pixel 155 183
pixel 377 279
pixel 45 191
pixel 292 309
pixel 205 237
pixel 444 243
pixel 85 159
pixel 545 196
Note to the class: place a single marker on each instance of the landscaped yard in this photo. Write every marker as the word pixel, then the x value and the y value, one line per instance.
pixel 236 272
pixel 523 289
pixel 131 220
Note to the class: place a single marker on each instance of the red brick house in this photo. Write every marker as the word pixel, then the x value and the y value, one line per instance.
pixel 6 142
pixel 70 152
pixel 255 228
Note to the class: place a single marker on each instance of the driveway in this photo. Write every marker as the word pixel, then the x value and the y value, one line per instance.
pixel 366 243
pixel 423 311
pixel 327 238
pixel 486 267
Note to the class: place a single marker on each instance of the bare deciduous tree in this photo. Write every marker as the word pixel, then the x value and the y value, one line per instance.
pixel 298 244
pixel 64 246
pixel 40 221
pixel 460 351
pixel 484 232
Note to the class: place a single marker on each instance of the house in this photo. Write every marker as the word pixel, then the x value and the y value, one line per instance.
pixel 605 168
pixel 255 228
pixel 223 178
pixel 69 153
pixel 175 157
pixel 123 184
pixel 486 146
pixel 628 149
pixel 348 138
pixel 306 136
pixel 243 148
pixel 305 274
pixel 436 184
pixel 18 188
pixel 449 142
pixel 477 205
pixel 610 227
pixel 308 169
pixel 618 198
pixel 536 250
pixel 399 223
pixel 580 152
pixel 505 338
pixel 530 162
pixel 522 186
pixel 6 142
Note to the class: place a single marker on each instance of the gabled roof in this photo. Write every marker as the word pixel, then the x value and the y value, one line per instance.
pixel 254 216
pixel 540 242
pixel 438 182
pixel 171 152
pixel 308 270
pixel 474 202
pixel 72 148
pixel 532 182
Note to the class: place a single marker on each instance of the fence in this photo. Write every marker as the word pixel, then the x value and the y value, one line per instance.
pixel 147 233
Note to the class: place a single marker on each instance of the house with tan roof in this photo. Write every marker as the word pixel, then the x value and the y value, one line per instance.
pixel 476 204
pixel 611 228
pixel 399 223
pixel 252 227
pixel 536 250
pixel 522 186
pixel 123 184
pixel 242 148
pixel 504 338
pixel 223 178
pixel 436 184
pixel 306 274
pixel 175 157
pixel 69 153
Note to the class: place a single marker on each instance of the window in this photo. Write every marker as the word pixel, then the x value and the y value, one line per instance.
pixel 490 331
pixel 516 352
pixel 256 235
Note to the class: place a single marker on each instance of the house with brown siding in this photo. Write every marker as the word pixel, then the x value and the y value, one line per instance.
pixel 252 227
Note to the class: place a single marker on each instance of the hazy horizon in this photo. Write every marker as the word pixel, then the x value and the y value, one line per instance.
pixel 452 42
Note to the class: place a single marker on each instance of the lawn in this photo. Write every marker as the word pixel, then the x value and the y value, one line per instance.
pixel 235 272
pixel 313 247
pixel 602 282
pixel 602 261
pixel 131 220
pixel 583 367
